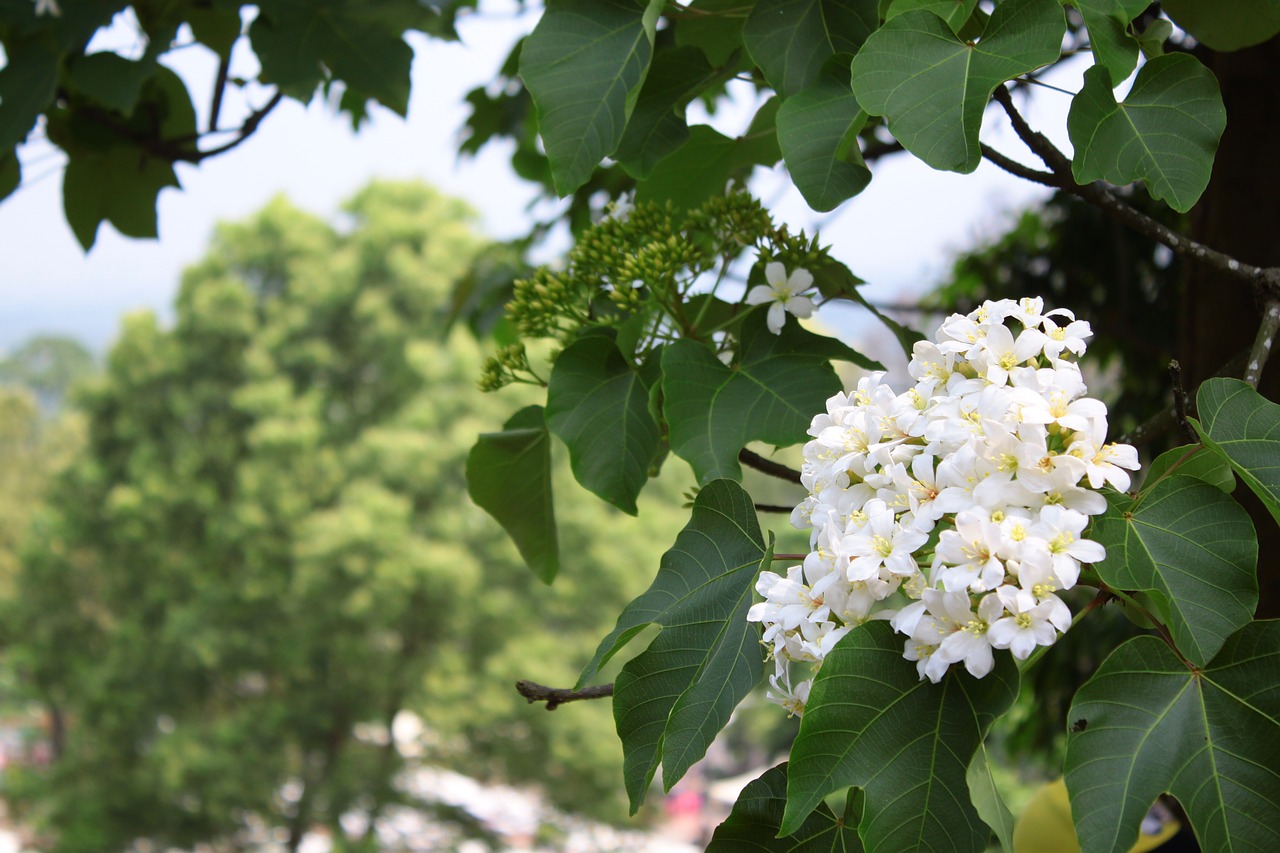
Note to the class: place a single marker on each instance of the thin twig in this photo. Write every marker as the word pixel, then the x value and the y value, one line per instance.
pixel 1180 401
pixel 1013 167
pixel 557 696
pixel 1262 343
pixel 768 466
pixel 773 508
pixel 1265 279
pixel 219 88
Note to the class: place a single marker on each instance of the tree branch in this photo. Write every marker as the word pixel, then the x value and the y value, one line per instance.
pixel 1262 343
pixel 1265 279
pixel 557 696
pixel 219 88
pixel 768 466
pixel 773 508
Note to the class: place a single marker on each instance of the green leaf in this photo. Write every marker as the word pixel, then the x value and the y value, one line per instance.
pixel 599 407
pixel 954 12
pixel 817 130
pixel 715 28
pixel 1226 24
pixel 302 43
pixel 216 27
pixel 583 64
pixel 1192 550
pixel 701 167
pixel 791 39
pixel 110 80
pixel 671 700
pixel 1243 427
pixel 1209 737
pixel 509 477
pixel 657 126
pixel 753 824
pixel 835 280
pixel 10 173
pixel 1164 133
pixel 1191 460
pixel 770 393
pixel 1153 38
pixel 871 721
pixel 987 800
pixel 1108 23
pixel 27 84
pixel 118 185
pixel 933 87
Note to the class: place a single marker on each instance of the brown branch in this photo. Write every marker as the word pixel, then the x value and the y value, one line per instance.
pixel 768 466
pixel 557 696
pixel 1013 167
pixel 1265 279
pixel 1180 401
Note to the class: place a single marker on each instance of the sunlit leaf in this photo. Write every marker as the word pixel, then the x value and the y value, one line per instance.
pixel 584 64
pixel 871 721
pixel 598 405
pixel 520 454
pixel 1151 724
pixel 753 824
pixel 933 87
pixel 1244 428
pixel 1164 133
pixel 770 393
pixel 671 700
pixel 1192 550
pixel 791 39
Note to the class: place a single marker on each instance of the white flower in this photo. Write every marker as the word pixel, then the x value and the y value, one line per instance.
pixel 787 293
pixel 1028 624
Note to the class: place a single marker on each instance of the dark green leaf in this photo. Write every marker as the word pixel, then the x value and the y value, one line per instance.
pixel 599 407
pixel 1191 461
pixel 791 39
pixel 509 477
pixel 10 173
pixel 1164 133
pixel 1226 24
pixel 715 28
pixel 770 393
pixel 817 131
pixel 216 27
pixel 702 167
pixel 109 80
pixel 753 824
pixel 1108 23
pixel 584 64
pixel 657 125
pixel 1209 737
pixel 118 185
pixel 671 700
pixel 933 87
pixel 1153 38
pixel 1192 550
pixel 301 43
pixel 1244 428
pixel 954 12
pixel 871 721
pixel 27 84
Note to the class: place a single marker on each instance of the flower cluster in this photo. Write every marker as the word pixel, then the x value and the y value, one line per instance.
pixel 955 510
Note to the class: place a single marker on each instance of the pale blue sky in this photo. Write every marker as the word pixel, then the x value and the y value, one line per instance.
pixel 898 235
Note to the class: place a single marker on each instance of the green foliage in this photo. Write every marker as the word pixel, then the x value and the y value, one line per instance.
pixel 817 130
pixel 1243 428
pixel 932 86
pixel 907 743
pixel 756 816
pixel 672 700
pixel 791 39
pixel 1227 24
pixel 1154 725
pixel 1164 133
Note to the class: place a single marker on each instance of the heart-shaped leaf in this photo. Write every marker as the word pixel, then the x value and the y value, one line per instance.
pixel 817 132
pixel 1192 550
pixel 1164 133
pixel 1108 23
pixel 791 39
pixel 1243 427
pixel 1210 737
pixel 933 87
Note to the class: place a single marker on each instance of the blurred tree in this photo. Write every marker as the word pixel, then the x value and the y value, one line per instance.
pixel 49 366
pixel 265 543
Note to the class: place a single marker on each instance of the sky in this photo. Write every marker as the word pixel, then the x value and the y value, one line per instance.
pixel 898 235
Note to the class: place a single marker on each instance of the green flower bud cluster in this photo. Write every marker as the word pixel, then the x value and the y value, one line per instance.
pixel 540 302
pixel 509 364
pixel 733 221
pixel 793 250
